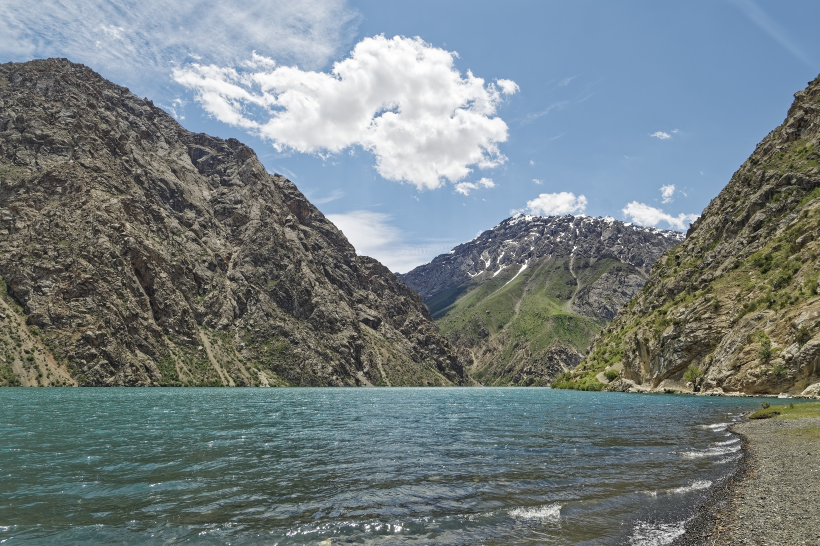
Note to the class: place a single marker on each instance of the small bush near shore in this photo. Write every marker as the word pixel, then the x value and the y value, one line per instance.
pixel 792 411
pixel 611 375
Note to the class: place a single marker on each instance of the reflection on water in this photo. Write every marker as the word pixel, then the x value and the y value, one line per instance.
pixel 357 466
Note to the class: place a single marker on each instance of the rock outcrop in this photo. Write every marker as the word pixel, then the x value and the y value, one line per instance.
pixel 735 308
pixel 143 254
pixel 523 299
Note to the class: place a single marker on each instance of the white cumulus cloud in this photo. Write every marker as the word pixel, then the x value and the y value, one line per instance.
pixel 400 98
pixel 557 204
pixel 645 215
pixel 667 191
pixel 465 188
pixel 372 234
pixel 661 135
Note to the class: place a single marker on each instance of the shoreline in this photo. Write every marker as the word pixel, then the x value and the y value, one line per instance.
pixel 699 529
pixel 773 495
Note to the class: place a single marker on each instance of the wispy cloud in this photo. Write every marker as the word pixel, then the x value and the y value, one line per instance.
pixel 565 82
pixel 372 234
pixel 536 181
pixel 579 96
pixel 529 118
pixel 760 18
pixel 175 108
pixel 332 196
pixel 130 38
pixel 646 215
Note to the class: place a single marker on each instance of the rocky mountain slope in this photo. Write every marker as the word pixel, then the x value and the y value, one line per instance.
pixel 523 299
pixel 734 308
pixel 134 252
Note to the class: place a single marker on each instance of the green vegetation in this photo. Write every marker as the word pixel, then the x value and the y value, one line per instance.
pixel 578 382
pixel 811 196
pixel 802 335
pixel 764 353
pixel 799 156
pixel 8 377
pixel 524 313
pixel 693 375
pixel 611 375
pixel 168 369
pixel 791 411
pixel 198 369
pixel 607 352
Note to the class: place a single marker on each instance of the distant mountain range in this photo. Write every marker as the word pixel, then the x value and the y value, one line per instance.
pixel 523 299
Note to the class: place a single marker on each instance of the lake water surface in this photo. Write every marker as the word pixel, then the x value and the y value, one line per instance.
pixel 357 466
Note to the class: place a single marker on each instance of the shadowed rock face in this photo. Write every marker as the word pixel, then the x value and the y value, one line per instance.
pixel 146 254
pixel 738 299
pixel 524 298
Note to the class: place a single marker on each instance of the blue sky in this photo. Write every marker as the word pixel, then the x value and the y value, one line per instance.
pixel 443 118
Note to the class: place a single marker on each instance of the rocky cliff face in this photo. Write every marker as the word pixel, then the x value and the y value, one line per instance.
pixel 524 298
pixel 734 308
pixel 142 254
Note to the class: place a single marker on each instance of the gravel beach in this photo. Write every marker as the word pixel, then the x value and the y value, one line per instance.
pixel 774 499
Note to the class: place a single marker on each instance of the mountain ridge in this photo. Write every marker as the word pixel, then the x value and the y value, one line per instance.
pixel 139 253
pixel 523 299
pixel 734 308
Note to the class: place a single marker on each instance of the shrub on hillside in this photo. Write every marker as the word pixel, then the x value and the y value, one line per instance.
pixel 692 374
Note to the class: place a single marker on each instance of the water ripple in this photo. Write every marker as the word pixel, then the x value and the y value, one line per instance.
pixel 365 466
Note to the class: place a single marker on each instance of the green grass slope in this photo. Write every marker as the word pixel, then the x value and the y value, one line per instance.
pixel 519 325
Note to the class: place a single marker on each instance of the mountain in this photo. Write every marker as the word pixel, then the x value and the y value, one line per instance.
pixel 734 308
pixel 134 252
pixel 523 299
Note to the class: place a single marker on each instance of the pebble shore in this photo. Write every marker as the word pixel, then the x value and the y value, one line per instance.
pixel 774 498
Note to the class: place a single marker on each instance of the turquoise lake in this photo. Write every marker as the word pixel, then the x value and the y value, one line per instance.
pixel 357 466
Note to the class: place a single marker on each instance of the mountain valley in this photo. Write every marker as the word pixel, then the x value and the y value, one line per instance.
pixel 523 300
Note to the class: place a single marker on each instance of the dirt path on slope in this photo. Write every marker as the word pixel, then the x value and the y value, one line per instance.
pixel 571 303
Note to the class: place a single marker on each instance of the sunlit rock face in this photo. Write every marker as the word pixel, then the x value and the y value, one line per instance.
pixel 737 300
pixel 145 254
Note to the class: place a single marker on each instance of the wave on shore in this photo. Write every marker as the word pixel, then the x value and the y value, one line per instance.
pixel 656 534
